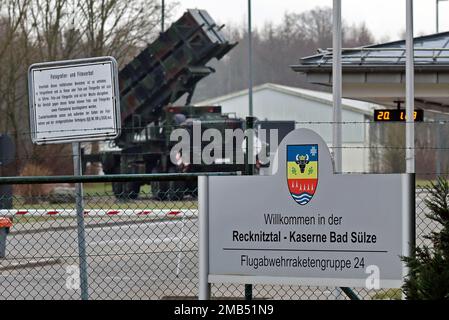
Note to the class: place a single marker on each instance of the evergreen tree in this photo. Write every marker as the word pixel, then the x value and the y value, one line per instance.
pixel 428 277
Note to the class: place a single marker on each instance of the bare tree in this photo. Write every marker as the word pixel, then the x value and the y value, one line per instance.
pixel 276 47
pixel 316 25
pixel 47 30
pixel 357 35
pixel 12 73
pixel 116 27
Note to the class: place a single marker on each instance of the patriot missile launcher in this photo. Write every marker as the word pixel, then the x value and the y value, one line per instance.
pixel 164 71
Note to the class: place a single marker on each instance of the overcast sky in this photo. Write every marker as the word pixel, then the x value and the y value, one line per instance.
pixel 386 18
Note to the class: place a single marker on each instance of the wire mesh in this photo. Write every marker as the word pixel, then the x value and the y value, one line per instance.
pixel 143 248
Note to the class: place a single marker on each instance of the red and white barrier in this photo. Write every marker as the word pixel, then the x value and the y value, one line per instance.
pixel 160 213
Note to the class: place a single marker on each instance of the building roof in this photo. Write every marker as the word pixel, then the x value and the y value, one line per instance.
pixel 431 52
pixel 376 73
pixel 319 96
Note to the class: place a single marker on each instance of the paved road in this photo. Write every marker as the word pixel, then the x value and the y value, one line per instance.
pixel 145 260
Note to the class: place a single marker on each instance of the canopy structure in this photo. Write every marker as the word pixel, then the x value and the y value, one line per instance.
pixel 377 72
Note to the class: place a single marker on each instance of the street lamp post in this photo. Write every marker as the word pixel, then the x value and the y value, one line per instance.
pixel 337 85
pixel 410 90
pixel 250 144
pixel 438 127
pixel 250 61
pixel 163 16
pixel 437 20
pixel 409 225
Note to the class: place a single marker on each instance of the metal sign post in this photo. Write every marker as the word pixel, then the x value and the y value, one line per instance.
pixel 249 171
pixel 203 207
pixel 7 154
pixel 77 170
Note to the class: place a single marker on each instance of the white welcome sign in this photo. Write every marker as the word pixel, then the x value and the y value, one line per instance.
pixel 306 225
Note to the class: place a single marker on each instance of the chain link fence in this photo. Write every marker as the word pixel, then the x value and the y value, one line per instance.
pixel 144 248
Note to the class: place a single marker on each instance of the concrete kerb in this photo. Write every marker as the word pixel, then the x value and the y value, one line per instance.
pixel 7 264
pixel 152 215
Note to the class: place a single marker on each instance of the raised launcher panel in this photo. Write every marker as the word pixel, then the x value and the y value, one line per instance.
pixel 169 67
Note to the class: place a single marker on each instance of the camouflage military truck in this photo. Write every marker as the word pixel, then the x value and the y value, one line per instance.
pixel 163 72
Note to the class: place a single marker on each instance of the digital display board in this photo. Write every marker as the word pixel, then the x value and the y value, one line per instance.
pixel 396 115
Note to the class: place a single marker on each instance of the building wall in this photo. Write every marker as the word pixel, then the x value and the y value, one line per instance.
pixel 355 157
pixel 273 105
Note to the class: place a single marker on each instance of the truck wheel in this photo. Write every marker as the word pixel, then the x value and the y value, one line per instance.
pixel 191 189
pixel 126 190
pixel 132 190
pixel 193 193
pixel 117 189
pixel 176 189
pixel 159 189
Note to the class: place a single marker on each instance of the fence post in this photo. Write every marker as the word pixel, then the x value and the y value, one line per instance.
pixel 437 148
pixel 80 222
pixel 180 247
pixel 7 154
pixel 408 221
pixel 203 216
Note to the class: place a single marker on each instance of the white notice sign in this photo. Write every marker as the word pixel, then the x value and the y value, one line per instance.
pixel 74 100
